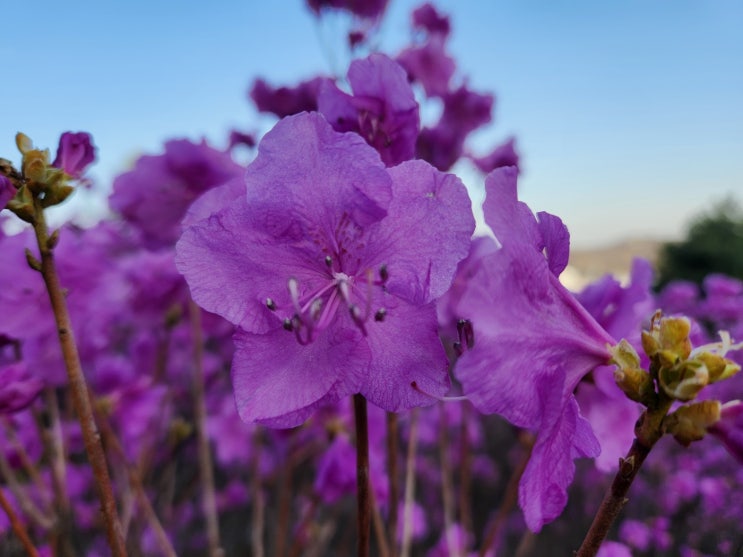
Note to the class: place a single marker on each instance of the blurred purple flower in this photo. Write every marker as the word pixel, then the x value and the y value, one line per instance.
pixel 155 195
pixel 533 344
pixel 382 108
pixel 327 270
pixel 729 430
pixel 464 112
pixel 18 387
pixel 285 101
pixel 502 155
pixel 429 65
pixel 75 153
pixel 426 17
pixel 368 9
pixel 7 191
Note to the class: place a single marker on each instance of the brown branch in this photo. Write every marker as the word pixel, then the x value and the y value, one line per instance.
pixel 78 385
pixel 18 528
pixel 206 468
pixel 362 475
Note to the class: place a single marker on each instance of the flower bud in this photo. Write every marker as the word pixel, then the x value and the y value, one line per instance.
pixel 689 423
pixel 23 142
pixel 685 380
pixel 75 153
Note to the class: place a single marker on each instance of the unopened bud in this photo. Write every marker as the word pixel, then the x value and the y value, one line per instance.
pixel 684 381
pixel 636 383
pixel 689 423
pixel 23 142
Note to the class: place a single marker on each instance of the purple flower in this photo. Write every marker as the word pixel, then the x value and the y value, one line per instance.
pixel 367 9
pixel 429 65
pixel 18 388
pixel 285 101
pixel 330 265
pixel 729 430
pixel 7 191
pixel 426 17
pixel 533 344
pixel 382 109
pixel 464 112
pixel 502 155
pixel 75 153
pixel 155 195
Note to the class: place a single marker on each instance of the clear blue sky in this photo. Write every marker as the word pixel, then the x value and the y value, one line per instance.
pixel 628 114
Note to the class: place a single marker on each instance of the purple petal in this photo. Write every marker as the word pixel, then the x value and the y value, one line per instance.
pixel 426 233
pixel 7 191
pixel 281 383
pixel 543 487
pixel 556 240
pixel 405 348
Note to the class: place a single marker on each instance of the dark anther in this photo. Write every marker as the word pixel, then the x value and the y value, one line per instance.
pixel 457 347
pixel 270 304
pixel 328 261
pixel 384 274
pixel 380 314
pixel 288 325
pixel 466 333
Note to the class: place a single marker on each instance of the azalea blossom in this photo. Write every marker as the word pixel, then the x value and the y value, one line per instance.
pixel 533 342
pixel 329 264
pixel 382 109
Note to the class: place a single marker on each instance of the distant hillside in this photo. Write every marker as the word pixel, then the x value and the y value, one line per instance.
pixel 587 265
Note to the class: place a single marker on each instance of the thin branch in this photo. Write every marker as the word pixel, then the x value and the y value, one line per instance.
pixel 407 523
pixel 18 528
pixel 206 468
pixel 78 385
pixel 362 475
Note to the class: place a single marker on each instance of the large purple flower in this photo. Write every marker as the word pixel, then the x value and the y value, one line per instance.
pixel 533 344
pixel 330 264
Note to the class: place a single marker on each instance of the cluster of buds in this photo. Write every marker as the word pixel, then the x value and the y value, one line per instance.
pixel 42 180
pixel 676 374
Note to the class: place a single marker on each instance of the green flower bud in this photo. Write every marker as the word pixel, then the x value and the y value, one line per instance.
pixel 689 423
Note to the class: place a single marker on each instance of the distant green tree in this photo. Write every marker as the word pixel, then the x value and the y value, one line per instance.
pixel 713 244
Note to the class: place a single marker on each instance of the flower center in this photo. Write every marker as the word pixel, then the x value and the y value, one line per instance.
pixel 312 313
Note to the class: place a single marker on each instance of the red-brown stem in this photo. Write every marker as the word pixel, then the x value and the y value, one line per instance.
pixel 54 443
pixel 301 530
pixel 379 532
pixel 465 470
pixel 28 466
pixel 206 468
pixel 18 528
pixel 407 522
pixel 257 526
pixel 647 433
pixel 614 500
pixel 362 476
pixel 447 490
pixel 78 385
pixel 284 497
pixel 29 508
pixel 510 497
pixel 135 482
pixel 394 497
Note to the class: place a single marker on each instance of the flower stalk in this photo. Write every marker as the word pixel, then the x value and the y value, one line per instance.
pixel 18 528
pixel 363 497
pixel 648 431
pixel 77 382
